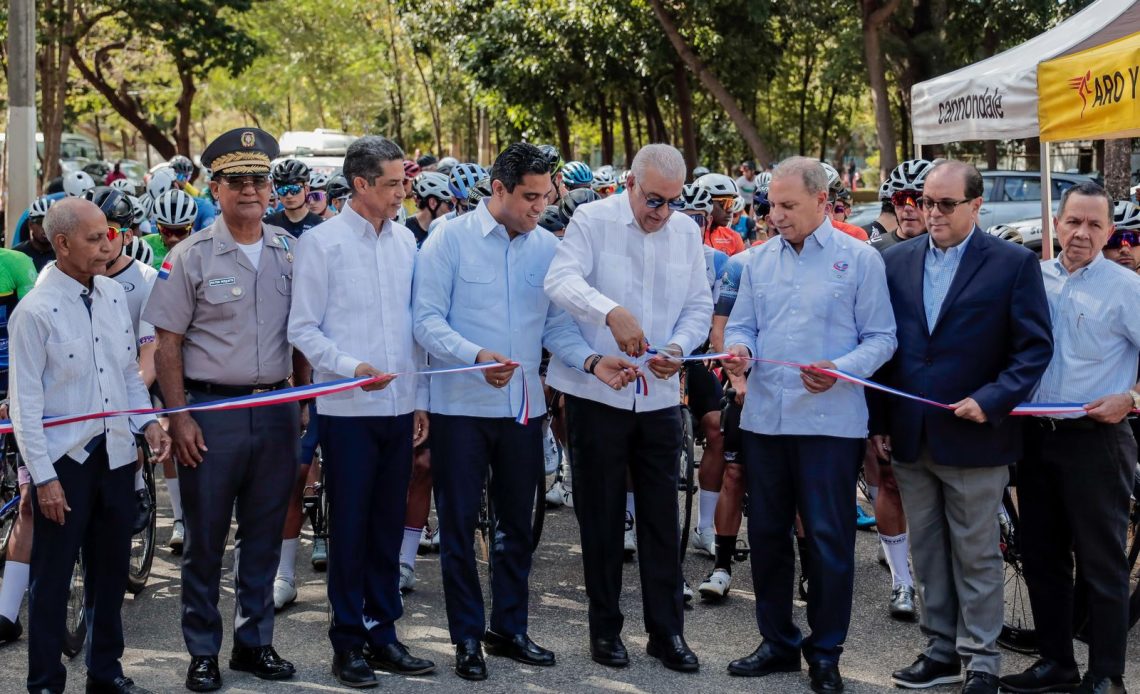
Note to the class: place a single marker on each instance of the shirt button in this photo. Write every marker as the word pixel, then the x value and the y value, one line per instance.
pixel 100 369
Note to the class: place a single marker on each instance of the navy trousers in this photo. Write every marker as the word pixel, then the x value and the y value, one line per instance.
pixel 102 512
pixel 367 463
pixel 816 476
pixel 463 450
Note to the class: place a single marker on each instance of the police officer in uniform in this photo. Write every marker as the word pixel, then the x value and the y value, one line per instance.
pixel 220 307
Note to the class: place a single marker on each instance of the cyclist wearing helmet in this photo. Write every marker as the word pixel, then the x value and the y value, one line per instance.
pixel 722 190
pixel 552 220
pixel 906 185
pixel 576 174
pixel 461 181
pixel 427 163
pixel 554 163
pixel 338 191
pixel 433 200
pixel 318 197
pixel 76 183
pixel 36 246
pixel 291 180
pixel 183 172
pixel 481 190
pixel 174 214
pixel 699 171
pixel 446 164
pixel 841 210
pixel 886 222
pixel 1121 247
pixel 746 183
pixel 603 183
pixel 742 222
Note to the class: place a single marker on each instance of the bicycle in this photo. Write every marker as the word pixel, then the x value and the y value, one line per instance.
pixel 688 463
pixel 315 504
pixel 143 542
pixel 9 498
pixel 485 521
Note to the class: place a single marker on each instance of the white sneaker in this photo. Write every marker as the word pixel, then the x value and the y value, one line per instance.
pixel 630 536
pixel 177 537
pixel 554 495
pixel 704 541
pixel 550 451
pixel 407 578
pixel 687 592
pixel 435 541
pixel 426 536
pixel 716 586
pixel 284 592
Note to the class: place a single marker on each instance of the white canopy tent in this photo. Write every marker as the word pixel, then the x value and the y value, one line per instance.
pixel 996 99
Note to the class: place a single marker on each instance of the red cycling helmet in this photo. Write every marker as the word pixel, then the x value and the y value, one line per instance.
pixel 411 169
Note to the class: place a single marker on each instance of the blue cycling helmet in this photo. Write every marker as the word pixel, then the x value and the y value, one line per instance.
pixel 463 178
pixel 577 175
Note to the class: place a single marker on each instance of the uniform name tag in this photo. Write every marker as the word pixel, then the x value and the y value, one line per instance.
pixel 222 281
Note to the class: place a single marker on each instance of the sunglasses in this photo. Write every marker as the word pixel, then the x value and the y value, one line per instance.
pixel 1123 238
pixel 725 203
pixel 181 178
pixel 946 207
pixel 700 219
pixel 905 198
pixel 291 189
pixel 174 231
pixel 238 183
pixel 839 209
pixel 113 232
pixel 316 196
pixel 654 202
pixel 605 190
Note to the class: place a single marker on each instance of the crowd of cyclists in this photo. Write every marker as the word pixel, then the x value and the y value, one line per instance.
pixel 732 214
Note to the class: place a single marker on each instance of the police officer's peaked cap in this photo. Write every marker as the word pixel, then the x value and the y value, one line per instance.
pixel 240 151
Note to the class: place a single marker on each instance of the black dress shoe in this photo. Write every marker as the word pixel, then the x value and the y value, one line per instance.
pixel 203 675
pixel 1043 676
pixel 764 661
pixel 825 677
pixel 925 672
pixel 469 663
pixel 980 683
pixel 1092 684
pixel 9 630
pixel 143 507
pixel 262 661
pixel 518 648
pixel 120 685
pixel 394 657
pixel 352 670
pixel 609 650
pixel 673 653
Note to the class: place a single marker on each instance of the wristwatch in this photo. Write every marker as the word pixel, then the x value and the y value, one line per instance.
pixel 1135 399
pixel 593 364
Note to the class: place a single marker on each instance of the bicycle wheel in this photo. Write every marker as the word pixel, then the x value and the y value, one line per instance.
pixel 76 633
pixel 142 544
pixel 8 514
pixel 1133 556
pixel 1018 632
pixel 686 478
pixel 483 524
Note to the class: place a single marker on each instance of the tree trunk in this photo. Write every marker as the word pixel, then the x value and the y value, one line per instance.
pixel 437 126
pixel 396 72
pixel 53 62
pixel 991 154
pixel 653 118
pixel 828 117
pixel 640 133
pixel 626 134
pixel 685 106
pixel 715 87
pixel 562 124
pixel 874 17
pixel 606 129
pixel 809 66
pixel 1118 167
pixel 184 105
pixel 1032 154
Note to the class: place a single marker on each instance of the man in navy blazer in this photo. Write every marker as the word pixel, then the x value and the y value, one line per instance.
pixel 973 332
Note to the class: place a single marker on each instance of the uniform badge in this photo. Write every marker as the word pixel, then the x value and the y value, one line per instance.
pixel 839 269
pixel 236 291
pixel 248 139
pixel 289 257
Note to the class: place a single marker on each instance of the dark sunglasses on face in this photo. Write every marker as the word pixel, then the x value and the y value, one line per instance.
pixel 291 189
pixel 840 209
pixel 238 183
pixel 946 207
pixel 905 198
pixel 316 196
pixel 1123 238
pixel 654 202
pixel 700 219
pixel 173 231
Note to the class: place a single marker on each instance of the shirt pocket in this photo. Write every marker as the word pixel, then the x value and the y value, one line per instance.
pixel 612 276
pixel 476 285
pixel 70 357
pixel 676 291
pixel 1087 336
pixel 221 308
pixel 535 293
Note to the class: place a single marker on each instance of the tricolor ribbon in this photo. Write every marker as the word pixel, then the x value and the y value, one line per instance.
pixel 523 417
pixel 275 397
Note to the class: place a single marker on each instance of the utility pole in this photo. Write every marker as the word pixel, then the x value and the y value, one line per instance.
pixel 21 161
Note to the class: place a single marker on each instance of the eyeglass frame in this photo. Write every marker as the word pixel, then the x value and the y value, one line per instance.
pixel 259 182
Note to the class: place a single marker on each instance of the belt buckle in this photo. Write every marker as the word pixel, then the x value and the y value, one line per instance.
pixel 259 391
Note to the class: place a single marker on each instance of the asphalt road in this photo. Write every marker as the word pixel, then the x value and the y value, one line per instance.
pixel 876 645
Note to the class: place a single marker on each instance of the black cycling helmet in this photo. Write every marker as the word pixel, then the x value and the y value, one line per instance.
pixel 572 200
pixel 182 165
pixel 552 156
pixel 551 219
pixel 338 187
pixel 480 190
pixel 290 171
pixel 114 204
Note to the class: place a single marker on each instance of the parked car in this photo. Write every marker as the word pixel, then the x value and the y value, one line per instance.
pixel 1012 196
pixel 1029 230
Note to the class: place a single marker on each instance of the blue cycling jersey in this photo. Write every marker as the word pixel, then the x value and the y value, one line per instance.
pixel 715 262
pixel 730 282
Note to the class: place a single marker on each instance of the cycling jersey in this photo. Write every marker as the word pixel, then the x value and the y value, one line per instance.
pixel 207 213
pixel 307 222
pixel 137 280
pixel 730 282
pixel 39 258
pixel 714 267
pixel 724 239
pixel 850 229
pixel 418 231
pixel 747 188
pixel 746 227
pixel 17 277
pixel 21 232
pixel 875 231
pixel 159 248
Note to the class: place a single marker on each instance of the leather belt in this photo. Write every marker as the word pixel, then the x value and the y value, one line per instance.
pixel 1058 424
pixel 230 391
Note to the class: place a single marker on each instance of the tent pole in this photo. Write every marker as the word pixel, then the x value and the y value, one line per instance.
pixel 1046 202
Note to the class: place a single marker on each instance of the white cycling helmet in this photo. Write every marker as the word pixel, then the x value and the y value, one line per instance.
pixel 718 185
pixel 161 181
pixel 140 251
pixel 697 199
pixel 76 183
pixel 886 190
pixel 737 204
pixel 124 184
pixel 431 184
pixel 603 179
pixel 1126 216
pixel 318 180
pixel 175 208
pixel 140 209
pixel 39 208
pixel 910 175
pixel 834 181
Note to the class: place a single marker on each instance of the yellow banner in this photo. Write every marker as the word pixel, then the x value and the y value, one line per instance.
pixel 1093 94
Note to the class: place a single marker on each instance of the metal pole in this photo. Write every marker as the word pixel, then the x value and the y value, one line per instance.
pixel 1046 201
pixel 21 162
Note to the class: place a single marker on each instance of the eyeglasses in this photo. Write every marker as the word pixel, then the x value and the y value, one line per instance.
pixel 725 202
pixel 316 196
pixel 606 190
pixel 946 207
pixel 1123 238
pixel 174 231
pixel 113 232
pixel 905 198
pixel 700 219
pixel 839 209
pixel 181 177
pixel 291 189
pixel 238 183
pixel 653 201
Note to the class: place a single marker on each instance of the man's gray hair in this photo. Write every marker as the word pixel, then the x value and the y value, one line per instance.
pixel 807 169
pixel 65 216
pixel 366 157
pixel 664 159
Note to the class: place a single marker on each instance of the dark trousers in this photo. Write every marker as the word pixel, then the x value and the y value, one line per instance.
pixel 605 442
pixel 814 475
pixel 102 513
pixel 367 463
pixel 1073 488
pixel 463 450
pixel 248 471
